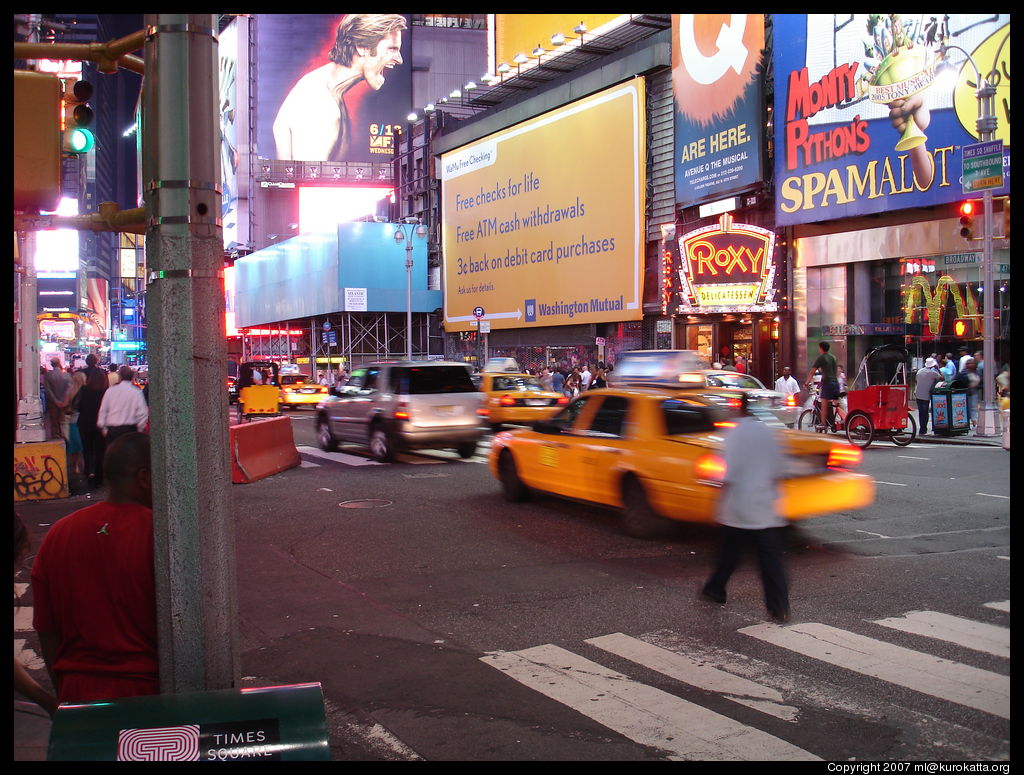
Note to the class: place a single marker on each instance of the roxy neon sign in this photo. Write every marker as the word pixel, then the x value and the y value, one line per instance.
pixel 727 267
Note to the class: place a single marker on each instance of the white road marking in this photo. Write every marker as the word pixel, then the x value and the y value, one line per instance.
pixel 645 715
pixel 696 672
pixel 338 457
pixel 990 495
pixel 1003 605
pixel 894 484
pixel 942 678
pixel 911 457
pixel 308 464
pixel 978 636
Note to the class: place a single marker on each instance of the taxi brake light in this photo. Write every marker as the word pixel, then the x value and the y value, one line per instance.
pixel 483 411
pixel 562 400
pixel 507 400
pixel 402 411
pixel 710 468
pixel 791 400
pixel 844 457
pixel 725 424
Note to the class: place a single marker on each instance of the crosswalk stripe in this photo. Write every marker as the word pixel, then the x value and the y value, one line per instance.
pixel 964 632
pixel 942 678
pixel 1003 605
pixel 646 715
pixel 696 672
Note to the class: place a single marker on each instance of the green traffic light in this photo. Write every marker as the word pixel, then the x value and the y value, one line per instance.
pixel 80 140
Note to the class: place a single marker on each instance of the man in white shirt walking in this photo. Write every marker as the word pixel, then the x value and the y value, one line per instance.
pixel 754 464
pixel 124 408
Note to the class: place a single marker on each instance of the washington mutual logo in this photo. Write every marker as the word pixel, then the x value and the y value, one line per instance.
pixel 531 310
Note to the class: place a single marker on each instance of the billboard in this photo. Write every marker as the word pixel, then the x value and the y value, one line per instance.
pixel 323 207
pixel 521 33
pixel 866 120
pixel 230 119
pixel 718 104
pixel 543 222
pixel 332 87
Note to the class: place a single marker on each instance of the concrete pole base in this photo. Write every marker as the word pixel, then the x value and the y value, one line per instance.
pixel 988 421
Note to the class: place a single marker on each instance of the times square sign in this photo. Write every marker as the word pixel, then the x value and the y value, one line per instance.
pixel 727 267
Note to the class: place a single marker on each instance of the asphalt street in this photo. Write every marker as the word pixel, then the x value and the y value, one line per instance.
pixel 445 624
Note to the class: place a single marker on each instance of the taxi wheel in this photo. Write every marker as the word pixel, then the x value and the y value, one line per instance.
pixel 381 448
pixel 466 450
pixel 638 518
pixel 512 486
pixel 324 436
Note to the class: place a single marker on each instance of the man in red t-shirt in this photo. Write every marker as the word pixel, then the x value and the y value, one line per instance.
pixel 94 594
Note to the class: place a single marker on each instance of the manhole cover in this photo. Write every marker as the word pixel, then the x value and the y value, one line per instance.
pixel 365 503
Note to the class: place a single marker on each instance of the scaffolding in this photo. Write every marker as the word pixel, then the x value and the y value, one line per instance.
pixel 338 341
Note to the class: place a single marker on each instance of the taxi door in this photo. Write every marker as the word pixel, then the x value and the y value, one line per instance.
pixel 555 460
pixel 602 448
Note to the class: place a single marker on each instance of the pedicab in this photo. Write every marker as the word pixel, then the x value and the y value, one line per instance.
pixel 878 403
pixel 258 397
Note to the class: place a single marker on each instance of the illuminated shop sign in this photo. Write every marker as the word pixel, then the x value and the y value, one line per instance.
pixel 58 329
pixel 920 299
pixel 728 267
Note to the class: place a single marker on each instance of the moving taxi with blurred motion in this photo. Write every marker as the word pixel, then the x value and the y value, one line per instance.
pixel 517 398
pixel 300 390
pixel 656 455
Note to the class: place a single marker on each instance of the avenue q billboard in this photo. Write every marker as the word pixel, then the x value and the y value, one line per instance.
pixel 542 223
pixel 332 87
pixel 867 116
pixel 718 100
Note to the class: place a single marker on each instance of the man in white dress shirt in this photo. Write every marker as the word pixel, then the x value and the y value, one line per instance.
pixel 124 408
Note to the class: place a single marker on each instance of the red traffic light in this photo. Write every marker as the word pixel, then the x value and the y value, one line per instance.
pixel 967 219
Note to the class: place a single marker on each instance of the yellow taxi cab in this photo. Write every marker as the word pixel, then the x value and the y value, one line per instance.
pixel 300 390
pixel 517 398
pixel 656 454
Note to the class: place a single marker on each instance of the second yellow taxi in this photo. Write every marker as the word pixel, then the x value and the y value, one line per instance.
pixel 517 398
pixel 656 455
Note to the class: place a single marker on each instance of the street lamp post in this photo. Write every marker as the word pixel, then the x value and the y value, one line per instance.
pixel 986 125
pixel 404 233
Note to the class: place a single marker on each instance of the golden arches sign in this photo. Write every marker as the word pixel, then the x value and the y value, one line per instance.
pixel 935 301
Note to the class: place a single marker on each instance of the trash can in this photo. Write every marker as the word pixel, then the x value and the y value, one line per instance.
pixel 949 410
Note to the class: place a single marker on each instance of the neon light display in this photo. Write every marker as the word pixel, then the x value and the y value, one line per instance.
pixel 934 302
pixel 728 267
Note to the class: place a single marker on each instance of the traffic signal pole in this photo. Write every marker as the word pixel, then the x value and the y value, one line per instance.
pixel 192 514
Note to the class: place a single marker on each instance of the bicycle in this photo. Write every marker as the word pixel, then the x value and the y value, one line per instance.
pixel 812 419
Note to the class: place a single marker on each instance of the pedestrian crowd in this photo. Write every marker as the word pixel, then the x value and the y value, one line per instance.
pixel 572 381
pixel 87 408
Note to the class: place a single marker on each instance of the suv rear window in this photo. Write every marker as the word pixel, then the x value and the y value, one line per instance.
pixel 424 380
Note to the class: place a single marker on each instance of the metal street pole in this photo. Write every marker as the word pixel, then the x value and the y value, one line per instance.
pixel 192 506
pixel 408 296
pixel 986 124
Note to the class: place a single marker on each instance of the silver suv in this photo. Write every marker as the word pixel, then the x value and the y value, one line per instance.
pixel 395 405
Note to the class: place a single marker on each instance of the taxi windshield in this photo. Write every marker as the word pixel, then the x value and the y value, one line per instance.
pixel 293 379
pixel 528 384
pixel 734 380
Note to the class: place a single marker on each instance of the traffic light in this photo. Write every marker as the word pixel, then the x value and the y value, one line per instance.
pixel 967 211
pixel 37 167
pixel 77 117
pixel 963 328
